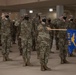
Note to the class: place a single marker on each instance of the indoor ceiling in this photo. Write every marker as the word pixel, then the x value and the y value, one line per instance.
pixel 69 4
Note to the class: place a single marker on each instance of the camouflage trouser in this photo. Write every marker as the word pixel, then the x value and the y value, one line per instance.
pixel 57 40
pixel 51 41
pixel 19 45
pixel 10 41
pixel 5 45
pixel 51 38
pixel 63 48
pixel 26 46
pixel 44 53
pixel 34 43
pixel 13 38
pixel 38 50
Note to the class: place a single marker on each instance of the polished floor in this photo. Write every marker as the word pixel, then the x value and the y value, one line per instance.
pixel 15 67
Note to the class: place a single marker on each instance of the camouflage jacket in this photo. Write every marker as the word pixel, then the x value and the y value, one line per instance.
pixel 71 25
pixel 6 27
pixel 18 27
pixel 62 25
pixel 35 24
pixel 56 26
pixel 26 29
pixel 43 35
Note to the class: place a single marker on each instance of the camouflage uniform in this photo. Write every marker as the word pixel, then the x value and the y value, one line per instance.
pixel 26 41
pixel 35 24
pixel 34 33
pixel 5 38
pixel 13 32
pixel 71 25
pixel 11 29
pixel 51 36
pixel 43 45
pixel 18 34
pixel 62 40
pixel 54 23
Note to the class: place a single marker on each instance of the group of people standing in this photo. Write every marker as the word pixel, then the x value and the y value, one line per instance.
pixel 36 34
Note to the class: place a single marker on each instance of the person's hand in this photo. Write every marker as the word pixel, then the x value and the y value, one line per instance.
pixel 48 28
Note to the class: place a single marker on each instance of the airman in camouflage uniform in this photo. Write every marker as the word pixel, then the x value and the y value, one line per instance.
pixel 5 37
pixel 26 40
pixel 54 23
pixel 35 23
pixel 51 33
pixel 63 43
pixel 13 32
pixel 43 40
pixel 18 24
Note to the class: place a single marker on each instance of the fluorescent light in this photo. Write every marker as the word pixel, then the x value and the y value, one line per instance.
pixel 50 10
pixel 30 11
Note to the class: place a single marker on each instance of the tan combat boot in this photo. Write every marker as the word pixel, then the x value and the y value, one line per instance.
pixel 4 58
pixel 42 67
pixel 62 61
pixel 8 59
pixel 65 61
pixel 28 63
pixel 46 68
pixel 24 59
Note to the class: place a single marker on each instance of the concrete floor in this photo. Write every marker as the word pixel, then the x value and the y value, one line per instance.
pixel 15 67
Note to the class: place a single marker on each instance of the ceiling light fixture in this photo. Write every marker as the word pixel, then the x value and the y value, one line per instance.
pixel 51 9
pixel 30 11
